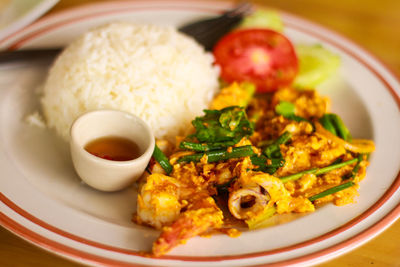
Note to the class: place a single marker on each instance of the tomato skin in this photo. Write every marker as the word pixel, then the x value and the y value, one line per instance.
pixel 261 56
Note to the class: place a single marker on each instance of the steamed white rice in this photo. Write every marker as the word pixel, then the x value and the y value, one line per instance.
pixel 155 72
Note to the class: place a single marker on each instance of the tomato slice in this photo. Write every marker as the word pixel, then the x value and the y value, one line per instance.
pixel 261 56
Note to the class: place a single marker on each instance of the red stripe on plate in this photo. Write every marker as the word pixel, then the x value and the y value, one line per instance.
pixel 51 245
pixel 44 30
pixel 77 254
pixel 97 9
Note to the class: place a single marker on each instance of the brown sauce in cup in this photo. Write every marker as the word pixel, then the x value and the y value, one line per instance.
pixel 113 148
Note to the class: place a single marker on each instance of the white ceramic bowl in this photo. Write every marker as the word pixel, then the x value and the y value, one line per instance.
pixel 103 174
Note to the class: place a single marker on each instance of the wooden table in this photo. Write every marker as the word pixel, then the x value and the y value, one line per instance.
pixel 373 24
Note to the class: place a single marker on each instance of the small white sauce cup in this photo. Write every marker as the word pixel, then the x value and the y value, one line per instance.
pixel 103 174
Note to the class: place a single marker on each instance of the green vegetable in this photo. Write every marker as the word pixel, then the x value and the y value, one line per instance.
pixel 264 143
pixel 262 160
pixel 298 175
pixel 354 171
pixel 206 147
pixel 335 125
pixel 227 124
pixel 218 155
pixel 159 156
pixel 327 124
pixel 332 190
pixel 287 110
pixel 273 150
pixel 262 18
pixel 341 129
pixel 267 165
pixel 260 220
pixel 335 166
pixel 317 171
pixel 316 65
pixel 272 158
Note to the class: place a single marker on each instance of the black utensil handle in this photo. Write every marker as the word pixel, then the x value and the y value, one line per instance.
pixel 9 56
pixel 28 54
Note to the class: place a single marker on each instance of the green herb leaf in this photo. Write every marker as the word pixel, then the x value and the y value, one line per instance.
pixel 272 158
pixel 228 124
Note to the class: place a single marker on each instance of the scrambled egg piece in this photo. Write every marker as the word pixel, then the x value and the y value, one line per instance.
pixel 233 95
pixel 308 102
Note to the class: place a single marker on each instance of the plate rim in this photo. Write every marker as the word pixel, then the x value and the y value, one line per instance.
pixel 21 22
pixel 350 243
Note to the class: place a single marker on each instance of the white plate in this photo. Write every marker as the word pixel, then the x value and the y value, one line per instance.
pixel 43 201
pixel 16 14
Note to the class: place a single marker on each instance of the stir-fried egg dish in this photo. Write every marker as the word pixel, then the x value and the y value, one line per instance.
pixel 258 155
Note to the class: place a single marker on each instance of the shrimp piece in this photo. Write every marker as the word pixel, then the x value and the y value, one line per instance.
pixel 158 203
pixel 152 167
pixel 201 214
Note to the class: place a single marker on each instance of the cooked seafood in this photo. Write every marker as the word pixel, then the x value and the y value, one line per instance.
pixel 260 155
pixel 200 215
